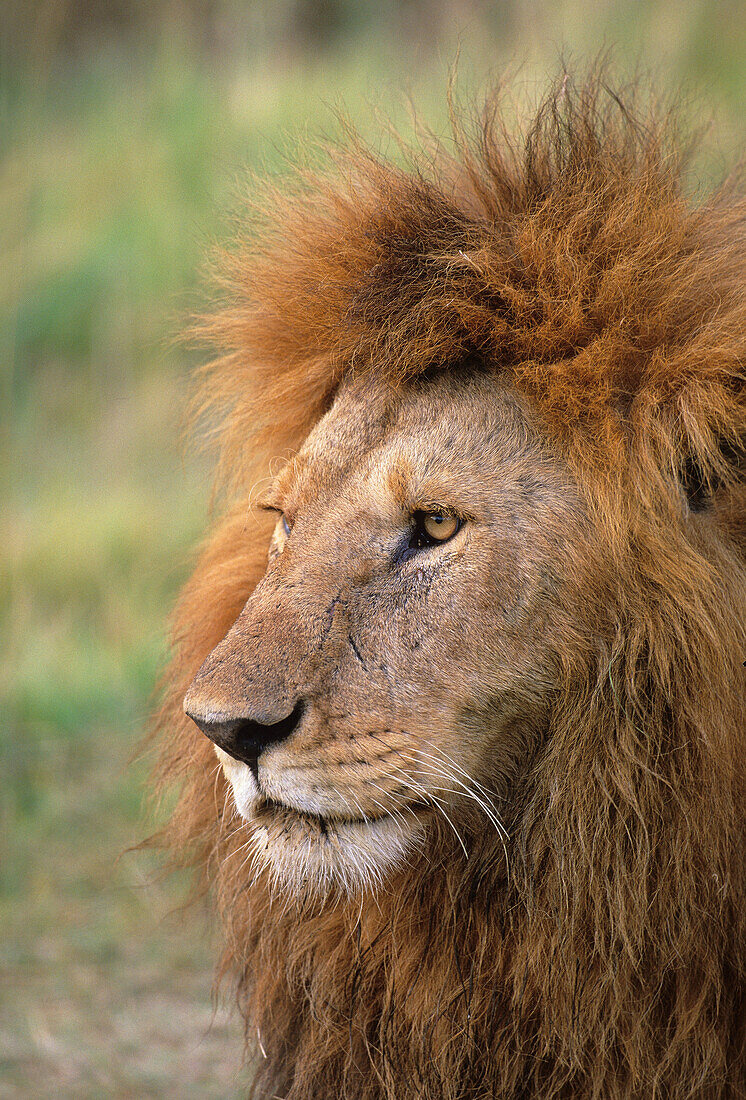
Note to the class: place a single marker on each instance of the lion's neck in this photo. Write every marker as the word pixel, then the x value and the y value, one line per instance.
pixel 358 993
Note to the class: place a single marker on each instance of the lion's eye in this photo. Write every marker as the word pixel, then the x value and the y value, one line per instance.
pixel 280 536
pixel 432 528
pixel 439 526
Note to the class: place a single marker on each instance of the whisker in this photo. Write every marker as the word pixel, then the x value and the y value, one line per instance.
pixel 489 810
pixel 485 802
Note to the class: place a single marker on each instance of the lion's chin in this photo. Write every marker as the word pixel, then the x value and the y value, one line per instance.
pixel 311 857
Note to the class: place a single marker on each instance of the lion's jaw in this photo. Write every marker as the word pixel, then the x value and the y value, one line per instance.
pixel 363 633
pixel 304 853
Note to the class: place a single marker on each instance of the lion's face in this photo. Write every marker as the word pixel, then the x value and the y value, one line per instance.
pixel 393 667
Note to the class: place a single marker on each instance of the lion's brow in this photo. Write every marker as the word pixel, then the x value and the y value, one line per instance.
pixel 284 482
pixel 399 480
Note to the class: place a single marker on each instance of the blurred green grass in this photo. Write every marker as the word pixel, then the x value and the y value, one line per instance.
pixel 120 163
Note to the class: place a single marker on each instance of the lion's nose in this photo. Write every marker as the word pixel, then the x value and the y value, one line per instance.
pixel 243 738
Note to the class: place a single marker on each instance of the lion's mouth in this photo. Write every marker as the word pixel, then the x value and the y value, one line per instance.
pixel 306 852
pixel 267 811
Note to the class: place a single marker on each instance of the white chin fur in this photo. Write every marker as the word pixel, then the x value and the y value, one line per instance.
pixel 305 858
pixel 350 858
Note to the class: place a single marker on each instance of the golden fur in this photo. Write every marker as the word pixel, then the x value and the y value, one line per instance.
pixel 547 327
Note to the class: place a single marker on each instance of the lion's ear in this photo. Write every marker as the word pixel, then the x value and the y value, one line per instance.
pixel 729 470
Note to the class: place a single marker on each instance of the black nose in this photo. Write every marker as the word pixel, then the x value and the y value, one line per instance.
pixel 243 738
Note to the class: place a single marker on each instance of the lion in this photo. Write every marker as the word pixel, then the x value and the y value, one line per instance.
pixel 456 709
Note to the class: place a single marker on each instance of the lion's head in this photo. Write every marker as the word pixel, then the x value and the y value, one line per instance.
pixel 415 527
pixel 468 643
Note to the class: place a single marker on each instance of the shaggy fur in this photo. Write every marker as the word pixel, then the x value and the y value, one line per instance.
pixel 608 958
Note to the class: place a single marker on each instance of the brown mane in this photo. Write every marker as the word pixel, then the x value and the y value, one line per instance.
pixel 610 960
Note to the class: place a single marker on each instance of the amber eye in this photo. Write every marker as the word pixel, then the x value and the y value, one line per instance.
pixel 432 528
pixel 285 526
pixel 440 527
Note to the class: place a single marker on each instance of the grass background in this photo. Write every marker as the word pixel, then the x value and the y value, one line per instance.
pixel 126 134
